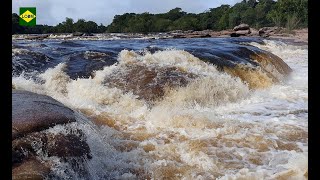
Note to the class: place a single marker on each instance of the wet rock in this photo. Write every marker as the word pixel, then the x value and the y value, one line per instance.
pixel 270 69
pixel 241 27
pixel 24 148
pixel 33 112
pixel 25 60
pixel 84 64
pixel 28 151
pixel 60 145
pixel 148 83
pixel 70 145
pixel 31 169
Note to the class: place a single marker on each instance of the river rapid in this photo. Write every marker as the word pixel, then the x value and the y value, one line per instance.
pixel 176 108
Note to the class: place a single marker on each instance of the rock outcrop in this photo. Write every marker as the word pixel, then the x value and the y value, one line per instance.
pixel 37 37
pixel 33 112
pixel 241 30
pixel 269 31
pixel 241 27
pixel 32 115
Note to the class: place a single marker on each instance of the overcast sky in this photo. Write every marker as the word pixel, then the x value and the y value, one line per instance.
pixel 52 12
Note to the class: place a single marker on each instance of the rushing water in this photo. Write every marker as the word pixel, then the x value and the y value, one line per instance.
pixel 165 109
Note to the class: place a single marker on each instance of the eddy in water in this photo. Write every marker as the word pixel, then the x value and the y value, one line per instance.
pixel 215 108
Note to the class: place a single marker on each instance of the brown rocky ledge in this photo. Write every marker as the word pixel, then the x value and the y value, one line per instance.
pixel 300 35
pixel 32 115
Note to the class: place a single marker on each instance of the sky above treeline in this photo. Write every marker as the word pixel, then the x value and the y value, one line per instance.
pixel 52 12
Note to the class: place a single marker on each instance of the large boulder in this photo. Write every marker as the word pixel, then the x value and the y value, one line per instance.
pixel 32 112
pixel 241 27
pixel 32 143
pixel 241 30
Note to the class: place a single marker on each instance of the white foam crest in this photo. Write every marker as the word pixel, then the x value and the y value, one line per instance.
pixel 56 79
pixel 18 51
pixel 168 58
pixel 208 91
pixel 82 93
pixel 281 49
pixel 180 107
pixel 27 84
pixel 105 162
pixel 87 94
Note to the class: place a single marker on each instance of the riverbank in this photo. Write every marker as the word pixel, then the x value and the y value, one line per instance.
pixel 296 36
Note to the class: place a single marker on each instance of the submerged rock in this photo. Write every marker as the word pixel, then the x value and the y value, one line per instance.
pixel 60 145
pixel 254 66
pixel 70 145
pixel 148 83
pixel 270 69
pixel 33 112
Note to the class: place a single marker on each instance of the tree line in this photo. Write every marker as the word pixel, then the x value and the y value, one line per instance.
pixel 291 14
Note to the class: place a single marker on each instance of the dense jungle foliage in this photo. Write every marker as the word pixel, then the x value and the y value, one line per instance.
pixel 290 14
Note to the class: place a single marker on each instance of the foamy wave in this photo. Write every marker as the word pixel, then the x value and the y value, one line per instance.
pixel 168 58
pixel 281 49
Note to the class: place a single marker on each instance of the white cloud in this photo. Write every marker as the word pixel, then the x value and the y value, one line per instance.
pixel 103 11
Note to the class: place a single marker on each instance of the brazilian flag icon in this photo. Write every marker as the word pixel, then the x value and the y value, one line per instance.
pixel 28 16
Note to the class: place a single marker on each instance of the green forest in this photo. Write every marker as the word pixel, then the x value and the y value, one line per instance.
pixel 291 14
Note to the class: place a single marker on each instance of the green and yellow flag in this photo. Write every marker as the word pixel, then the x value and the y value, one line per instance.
pixel 28 16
